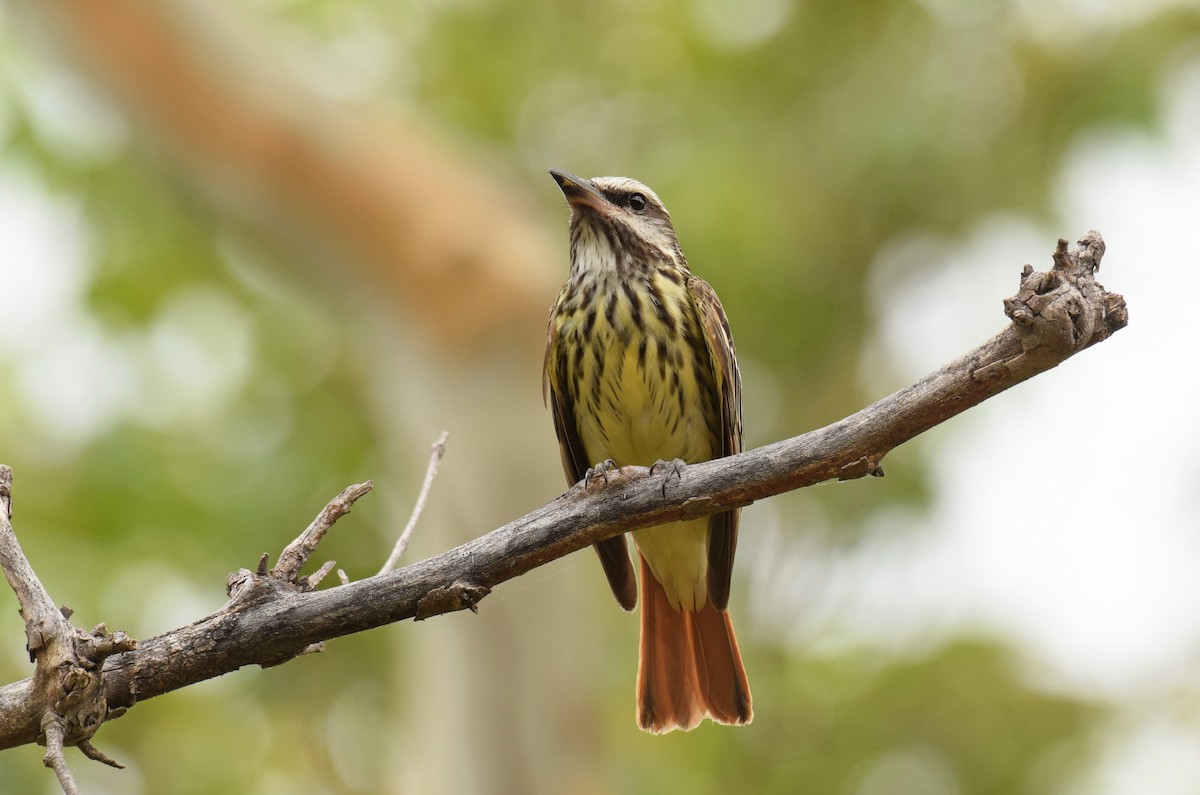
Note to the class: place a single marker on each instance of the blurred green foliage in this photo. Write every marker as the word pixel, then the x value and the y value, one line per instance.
pixel 791 141
pixel 955 721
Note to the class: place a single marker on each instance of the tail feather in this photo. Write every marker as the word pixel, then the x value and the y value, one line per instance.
pixel 719 666
pixel 689 666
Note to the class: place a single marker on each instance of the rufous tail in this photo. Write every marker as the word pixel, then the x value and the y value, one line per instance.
pixel 689 667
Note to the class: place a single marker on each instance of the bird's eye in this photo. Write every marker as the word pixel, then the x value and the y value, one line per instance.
pixel 637 202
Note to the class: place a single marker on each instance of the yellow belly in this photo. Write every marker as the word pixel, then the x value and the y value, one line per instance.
pixel 639 417
pixel 678 557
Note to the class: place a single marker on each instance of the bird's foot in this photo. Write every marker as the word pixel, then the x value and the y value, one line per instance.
pixel 601 470
pixel 674 468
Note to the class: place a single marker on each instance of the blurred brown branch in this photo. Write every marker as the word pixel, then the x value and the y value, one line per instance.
pixel 273 615
pixel 446 239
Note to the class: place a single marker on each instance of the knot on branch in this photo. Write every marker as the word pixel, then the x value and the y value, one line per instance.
pixel 1065 309
pixel 459 596
pixel 246 588
pixel 861 468
pixel 74 686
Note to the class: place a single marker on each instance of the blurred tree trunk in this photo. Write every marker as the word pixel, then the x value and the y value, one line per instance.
pixel 468 279
pixel 447 238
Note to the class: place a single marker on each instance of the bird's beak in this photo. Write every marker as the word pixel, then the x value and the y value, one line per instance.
pixel 579 192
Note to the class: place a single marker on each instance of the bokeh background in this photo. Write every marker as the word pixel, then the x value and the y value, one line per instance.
pixel 251 252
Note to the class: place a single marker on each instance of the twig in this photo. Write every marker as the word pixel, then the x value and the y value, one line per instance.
pixel 95 754
pixel 43 621
pixel 47 631
pixel 296 554
pixel 56 760
pixel 1055 315
pixel 435 458
pixel 67 691
pixel 310 582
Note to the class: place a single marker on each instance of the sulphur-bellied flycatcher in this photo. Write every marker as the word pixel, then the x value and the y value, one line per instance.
pixel 640 369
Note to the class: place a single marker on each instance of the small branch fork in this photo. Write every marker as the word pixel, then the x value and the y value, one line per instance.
pixel 67 686
pixel 273 614
pixel 297 553
pixel 67 694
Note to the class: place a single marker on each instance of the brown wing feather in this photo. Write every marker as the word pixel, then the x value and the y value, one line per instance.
pixel 613 552
pixel 723 530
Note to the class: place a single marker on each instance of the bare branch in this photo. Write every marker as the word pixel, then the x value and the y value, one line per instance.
pixel 296 554
pixel 96 755
pixel 43 621
pixel 65 697
pixel 1055 315
pixel 311 582
pixel 55 759
pixel 435 458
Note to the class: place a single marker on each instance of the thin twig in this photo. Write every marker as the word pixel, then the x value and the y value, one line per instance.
pixel 313 580
pixel 48 634
pixel 95 754
pixel 435 458
pixel 296 554
pixel 55 759
pixel 43 620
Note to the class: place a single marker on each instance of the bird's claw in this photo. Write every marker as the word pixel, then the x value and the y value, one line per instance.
pixel 601 470
pixel 674 467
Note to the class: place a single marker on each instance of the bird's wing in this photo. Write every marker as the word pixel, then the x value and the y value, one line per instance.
pixel 723 530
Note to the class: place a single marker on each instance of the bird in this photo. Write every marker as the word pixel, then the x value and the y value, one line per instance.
pixel 640 370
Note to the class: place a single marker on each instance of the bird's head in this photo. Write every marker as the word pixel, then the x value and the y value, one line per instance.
pixel 621 216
